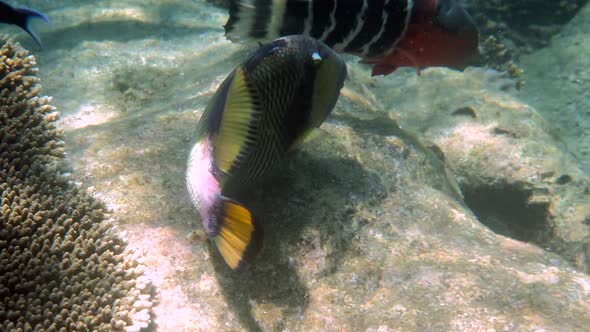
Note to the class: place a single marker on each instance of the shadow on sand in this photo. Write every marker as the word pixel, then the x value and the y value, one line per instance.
pixel 307 194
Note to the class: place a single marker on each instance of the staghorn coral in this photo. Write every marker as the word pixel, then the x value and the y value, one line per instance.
pixel 60 268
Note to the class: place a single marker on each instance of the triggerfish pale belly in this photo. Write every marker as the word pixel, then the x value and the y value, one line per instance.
pixel 264 108
pixel 387 34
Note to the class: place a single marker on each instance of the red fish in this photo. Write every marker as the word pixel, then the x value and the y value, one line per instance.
pixel 387 34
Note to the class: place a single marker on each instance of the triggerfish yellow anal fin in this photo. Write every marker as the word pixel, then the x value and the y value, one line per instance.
pixel 235 234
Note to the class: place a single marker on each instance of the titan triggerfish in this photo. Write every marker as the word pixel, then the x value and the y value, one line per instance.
pixel 263 109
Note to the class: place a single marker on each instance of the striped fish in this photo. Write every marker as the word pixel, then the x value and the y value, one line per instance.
pixel 385 33
pixel 263 109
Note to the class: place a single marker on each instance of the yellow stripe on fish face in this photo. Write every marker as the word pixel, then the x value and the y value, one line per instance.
pixel 239 116
pixel 235 233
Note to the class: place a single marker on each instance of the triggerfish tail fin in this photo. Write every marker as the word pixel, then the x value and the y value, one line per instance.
pixel 25 14
pixel 236 235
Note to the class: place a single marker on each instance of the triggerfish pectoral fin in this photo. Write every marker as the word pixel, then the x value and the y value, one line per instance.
pixel 237 236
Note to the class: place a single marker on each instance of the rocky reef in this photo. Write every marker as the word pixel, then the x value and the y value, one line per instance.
pixel 515 175
pixel 525 24
pixel 427 204
pixel 61 268
pixel 558 78
pixel 436 202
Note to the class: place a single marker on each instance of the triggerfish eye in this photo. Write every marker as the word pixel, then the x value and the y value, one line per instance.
pixel 316 58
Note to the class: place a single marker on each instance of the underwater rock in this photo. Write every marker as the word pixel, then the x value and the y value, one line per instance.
pixel 365 228
pixel 559 79
pixel 60 266
pixel 515 175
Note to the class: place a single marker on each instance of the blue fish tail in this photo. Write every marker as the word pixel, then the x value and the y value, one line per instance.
pixel 26 14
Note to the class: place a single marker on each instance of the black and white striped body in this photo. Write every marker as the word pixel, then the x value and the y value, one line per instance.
pixel 367 28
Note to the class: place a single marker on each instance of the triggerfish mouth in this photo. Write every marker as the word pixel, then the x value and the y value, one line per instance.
pixel 387 34
pixel 21 17
pixel 264 108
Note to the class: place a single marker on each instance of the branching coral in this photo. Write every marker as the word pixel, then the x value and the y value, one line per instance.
pixel 60 267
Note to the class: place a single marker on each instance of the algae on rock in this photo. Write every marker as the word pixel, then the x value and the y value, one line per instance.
pixel 514 173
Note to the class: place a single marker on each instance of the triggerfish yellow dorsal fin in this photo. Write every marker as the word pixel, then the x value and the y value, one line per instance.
pixel 238 237
pixel 239 120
